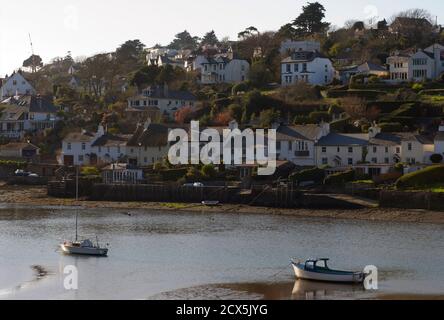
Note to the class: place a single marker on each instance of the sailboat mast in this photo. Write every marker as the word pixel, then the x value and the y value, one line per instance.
pixel 77 199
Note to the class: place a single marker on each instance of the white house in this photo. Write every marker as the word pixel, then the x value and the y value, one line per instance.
pixel 376 152
pixel 16 85
pixel 308 66
pixel 166 100
pixel 427 64
pixel 367 69
pixel 297 143
pixel 222 69
pixel 86 148
pixel 27 114
pixel 149 144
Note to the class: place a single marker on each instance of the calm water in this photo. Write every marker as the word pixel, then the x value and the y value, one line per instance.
pixel 155 255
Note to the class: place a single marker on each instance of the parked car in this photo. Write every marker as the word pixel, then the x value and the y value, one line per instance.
pixel 194 185
pixel 21 173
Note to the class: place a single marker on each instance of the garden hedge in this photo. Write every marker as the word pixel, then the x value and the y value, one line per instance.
pixel 426 177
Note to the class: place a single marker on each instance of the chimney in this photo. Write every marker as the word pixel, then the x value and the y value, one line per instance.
pixel 230 54
pixel 147 124
pixel 101 130
pixel 233 125
pixel 373 131
pixel 275 125
pixel 325 128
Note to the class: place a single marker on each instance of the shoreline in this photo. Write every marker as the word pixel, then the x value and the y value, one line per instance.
pixel 36 196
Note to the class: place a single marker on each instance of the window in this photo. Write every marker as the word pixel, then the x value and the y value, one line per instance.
pixel 386 149
pixel 350 149
pixel 398 150
pixel 375 149
pixel 14 82
pixel 350 161
pixel 145 159
pixel 278 145
pixel 296 67
pixel 339 149
pixel 100 149
pixel 324 161
pixel 304 67
pixel 80 158
pixel 386 160
pixel 409 147
pixel 288 68
pixel 375 160
pixel 326 79
pixel 324 149
pixel 69 146
pixel 290 146
pixel 83 146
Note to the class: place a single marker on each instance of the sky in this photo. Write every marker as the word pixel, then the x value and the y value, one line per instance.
pixel 87 27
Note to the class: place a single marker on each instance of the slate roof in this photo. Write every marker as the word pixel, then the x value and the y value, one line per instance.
pixel 303 56
pixel 111 140
pixel 342 139
pixel 12 113
pixel 19 146
pixel 301 132
pixel 36 104
pixel 79 137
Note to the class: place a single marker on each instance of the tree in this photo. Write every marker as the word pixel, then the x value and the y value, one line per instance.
pixel 209 171
pixel 310 21
pixel 287 31
pixel 184 40
pixel 260 75
pixel 413 27
pixel 34 62
pixel 210 38
pixel 236 111
pixel 268 117
pixel 130 55
pixel 248 32
pixel 145 76
pixel 183 115
pixel 357 109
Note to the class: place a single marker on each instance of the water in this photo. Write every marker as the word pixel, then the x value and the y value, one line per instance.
pixel 159 255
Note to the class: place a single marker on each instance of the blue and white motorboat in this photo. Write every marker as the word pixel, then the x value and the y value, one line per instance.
pixel 318 270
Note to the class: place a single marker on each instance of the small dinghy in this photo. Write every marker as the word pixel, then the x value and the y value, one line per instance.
pixel 318 270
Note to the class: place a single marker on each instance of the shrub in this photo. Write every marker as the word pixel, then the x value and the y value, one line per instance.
pixel 318 116
pixel 173 174
pixel 422 178
pixel 315 174
pixel 240 87
pixel 208 171
pixel 436 158
pixel 391 127
pixel 90 171
pixel 340 178
pixel 364 94
pixel 13 164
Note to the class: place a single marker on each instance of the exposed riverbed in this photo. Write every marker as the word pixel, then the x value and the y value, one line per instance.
pixel 204 255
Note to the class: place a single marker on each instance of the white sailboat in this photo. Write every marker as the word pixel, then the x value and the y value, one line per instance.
pixel 86 246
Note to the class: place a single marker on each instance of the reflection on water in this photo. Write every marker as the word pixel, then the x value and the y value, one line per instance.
pixel 218 256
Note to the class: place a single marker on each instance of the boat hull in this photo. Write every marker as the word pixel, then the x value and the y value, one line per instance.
pixel 337 277
pixel 84 251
